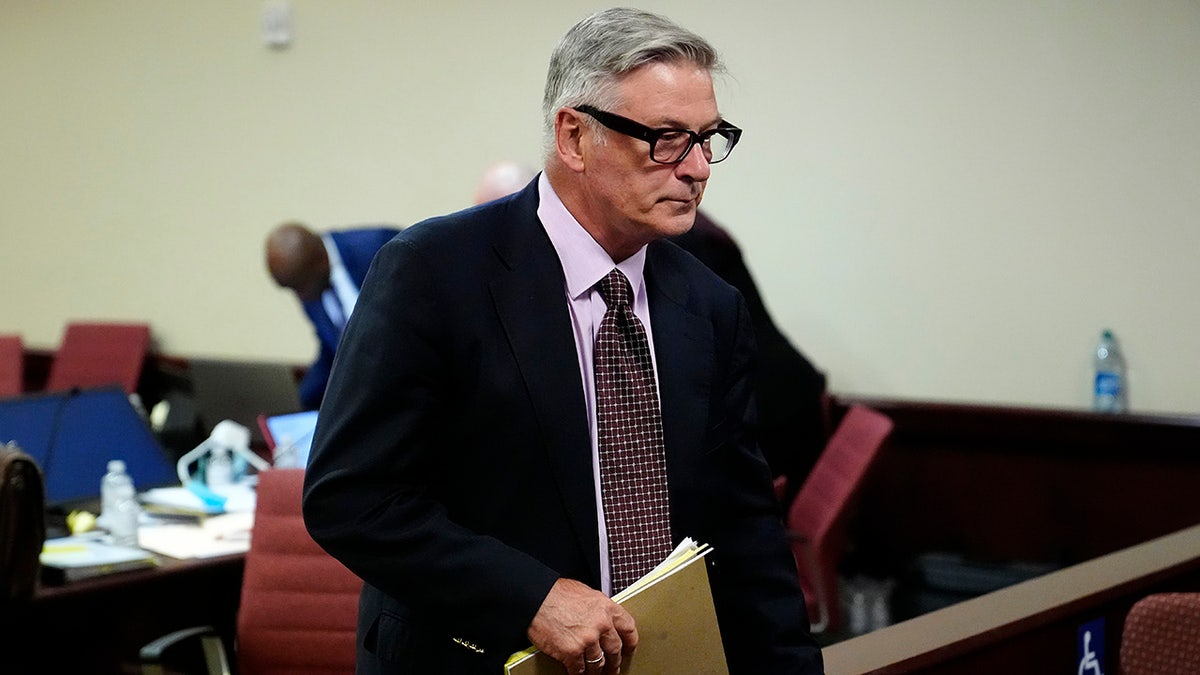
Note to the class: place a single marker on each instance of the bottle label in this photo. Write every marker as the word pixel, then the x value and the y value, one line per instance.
pixel 1108 384
pixel 1108 393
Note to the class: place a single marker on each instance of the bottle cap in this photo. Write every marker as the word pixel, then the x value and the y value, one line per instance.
pixel 116 466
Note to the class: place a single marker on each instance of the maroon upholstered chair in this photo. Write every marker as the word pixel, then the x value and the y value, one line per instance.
pixel 98 354
pixel 12 365
pixel 816 518
pixel 299 607
pixel 1162 635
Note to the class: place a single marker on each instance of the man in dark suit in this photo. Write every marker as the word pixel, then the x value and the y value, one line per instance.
pixel 457 463
pixel 789 390
pixel 325 272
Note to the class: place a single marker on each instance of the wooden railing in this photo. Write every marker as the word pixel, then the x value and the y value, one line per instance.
pixel 1032 627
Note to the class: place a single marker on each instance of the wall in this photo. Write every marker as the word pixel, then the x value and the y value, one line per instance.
pixel 940 200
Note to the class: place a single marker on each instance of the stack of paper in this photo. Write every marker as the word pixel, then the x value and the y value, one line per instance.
pixel 224 534
pixel 72 558
pixel 177 504
pixel 676 622
pixel 183 501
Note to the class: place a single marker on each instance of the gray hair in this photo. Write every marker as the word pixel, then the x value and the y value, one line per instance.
pixel 590 59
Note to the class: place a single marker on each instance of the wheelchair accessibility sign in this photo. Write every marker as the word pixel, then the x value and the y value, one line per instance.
pixel 1090 645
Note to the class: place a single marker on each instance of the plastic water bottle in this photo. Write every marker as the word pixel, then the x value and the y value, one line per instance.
pixel 119 508
pixel 1111 392
pixel 218 473
pixel 109 484
pixel 859 621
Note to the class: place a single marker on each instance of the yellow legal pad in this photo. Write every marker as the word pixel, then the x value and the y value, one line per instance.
pixel 676 622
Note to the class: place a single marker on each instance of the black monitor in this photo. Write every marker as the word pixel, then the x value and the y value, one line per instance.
pixel 72 435
pixel 241 391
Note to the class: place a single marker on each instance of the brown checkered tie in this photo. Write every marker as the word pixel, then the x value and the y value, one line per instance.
pixel 633 465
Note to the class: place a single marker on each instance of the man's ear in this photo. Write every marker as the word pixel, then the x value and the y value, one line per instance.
pixel 568 138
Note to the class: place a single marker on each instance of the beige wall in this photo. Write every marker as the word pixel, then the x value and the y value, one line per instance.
pixel 942 200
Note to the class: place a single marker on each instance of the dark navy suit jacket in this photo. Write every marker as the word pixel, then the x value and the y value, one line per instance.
pixel 357 248
pixel 451 466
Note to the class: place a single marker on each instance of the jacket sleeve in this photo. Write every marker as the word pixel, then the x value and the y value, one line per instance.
pixel 756 589
pixel 380 450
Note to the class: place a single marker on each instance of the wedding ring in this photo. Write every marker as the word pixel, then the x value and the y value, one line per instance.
pixel 598 659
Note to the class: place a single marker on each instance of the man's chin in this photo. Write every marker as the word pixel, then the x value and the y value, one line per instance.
pixel 678 218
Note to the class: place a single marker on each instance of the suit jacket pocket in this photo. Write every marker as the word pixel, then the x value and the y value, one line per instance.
pixel 407 644
pixel 389 637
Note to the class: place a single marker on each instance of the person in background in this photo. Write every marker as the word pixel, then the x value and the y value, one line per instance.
pixel 790 392
pixel 538 398
pixel 502 179
pixel 325 271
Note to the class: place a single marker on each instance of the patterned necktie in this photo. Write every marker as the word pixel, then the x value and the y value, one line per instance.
pixel 633 465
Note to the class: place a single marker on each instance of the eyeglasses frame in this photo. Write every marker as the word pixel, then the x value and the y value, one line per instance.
pixel 651 135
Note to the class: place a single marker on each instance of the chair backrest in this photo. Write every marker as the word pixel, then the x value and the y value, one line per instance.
pixel 12 365
pixel 97 354
pixel 833 483
pixel 299 606
pixel 816 517
pixel 22 524
pixel 1162 635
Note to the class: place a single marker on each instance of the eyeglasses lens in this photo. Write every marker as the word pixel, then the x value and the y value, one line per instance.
pixel 672 146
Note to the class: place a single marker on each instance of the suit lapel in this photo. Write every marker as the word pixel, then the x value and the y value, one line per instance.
pixel 682 339
pixel 532 307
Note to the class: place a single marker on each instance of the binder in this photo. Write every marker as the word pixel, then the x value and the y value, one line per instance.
pixel 74 558
pixel 676 621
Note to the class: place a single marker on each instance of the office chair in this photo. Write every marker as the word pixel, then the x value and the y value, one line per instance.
pixel 817 516
pixel 96 354
pixel 1162 635
pixel 22 525
pixel 299 606
pixel 12 365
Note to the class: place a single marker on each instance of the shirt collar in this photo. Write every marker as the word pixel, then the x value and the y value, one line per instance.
pixel 584 261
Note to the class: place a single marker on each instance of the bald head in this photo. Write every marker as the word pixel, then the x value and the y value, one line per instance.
pixel 296 259
pixel 502 179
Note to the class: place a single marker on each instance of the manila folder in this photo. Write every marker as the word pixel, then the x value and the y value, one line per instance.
pixel 677 629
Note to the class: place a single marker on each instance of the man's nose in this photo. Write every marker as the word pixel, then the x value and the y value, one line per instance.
pixel 694 165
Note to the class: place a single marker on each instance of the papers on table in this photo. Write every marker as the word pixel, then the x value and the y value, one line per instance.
pixel 179 524
pixel 223 534
pixel 71 558
pixel 181 501
pixel 175 523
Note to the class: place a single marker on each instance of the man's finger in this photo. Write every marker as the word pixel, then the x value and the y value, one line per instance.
pixel 613 647
pixel 594 664
pixel 626 629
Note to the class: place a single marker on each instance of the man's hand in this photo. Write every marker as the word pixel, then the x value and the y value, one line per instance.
pixel 583 629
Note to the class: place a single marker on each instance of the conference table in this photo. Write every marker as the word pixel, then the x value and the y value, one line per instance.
pixel 97 625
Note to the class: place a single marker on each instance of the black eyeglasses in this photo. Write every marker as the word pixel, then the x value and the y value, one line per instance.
pixel 670 146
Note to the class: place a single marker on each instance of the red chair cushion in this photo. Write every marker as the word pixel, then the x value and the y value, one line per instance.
pixel 299 605
pixel 1162 636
